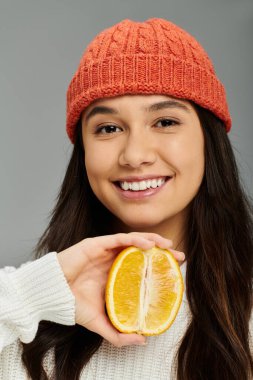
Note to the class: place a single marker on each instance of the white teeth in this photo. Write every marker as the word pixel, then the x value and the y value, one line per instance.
pixel 142 185
pixel 124 185
pixel 135 186
pixel 154 183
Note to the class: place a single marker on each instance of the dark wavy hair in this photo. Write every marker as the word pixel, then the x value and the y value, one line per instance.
pixel 219 252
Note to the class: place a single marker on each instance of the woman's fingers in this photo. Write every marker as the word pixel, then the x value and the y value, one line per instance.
pixel 141 240
pixel 144 240
pixel 159 240
pixel 102 326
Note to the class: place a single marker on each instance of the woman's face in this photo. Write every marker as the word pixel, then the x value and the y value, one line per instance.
pixel 144 156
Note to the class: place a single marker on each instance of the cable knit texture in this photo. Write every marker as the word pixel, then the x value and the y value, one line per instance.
pixel 150 57
pixel 32 293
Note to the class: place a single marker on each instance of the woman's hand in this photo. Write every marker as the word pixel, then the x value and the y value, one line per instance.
pixel 86 266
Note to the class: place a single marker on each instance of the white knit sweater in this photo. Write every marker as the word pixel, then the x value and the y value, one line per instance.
pixel 38 291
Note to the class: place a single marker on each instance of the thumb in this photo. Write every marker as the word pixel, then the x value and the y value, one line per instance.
pixel 102 326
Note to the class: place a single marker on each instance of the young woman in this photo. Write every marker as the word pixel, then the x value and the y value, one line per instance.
pixel 151 165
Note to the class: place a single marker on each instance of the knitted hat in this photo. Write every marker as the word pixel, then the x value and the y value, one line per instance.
pixel 151 57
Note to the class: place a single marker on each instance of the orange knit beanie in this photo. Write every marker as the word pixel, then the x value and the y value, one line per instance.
pixel 151 57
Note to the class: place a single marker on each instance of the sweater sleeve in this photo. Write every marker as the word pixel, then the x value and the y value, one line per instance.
pixel 36 291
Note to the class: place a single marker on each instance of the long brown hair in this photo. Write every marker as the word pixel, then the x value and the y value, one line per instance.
pixel 219 269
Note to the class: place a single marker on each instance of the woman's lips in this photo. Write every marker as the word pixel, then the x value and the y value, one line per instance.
pixel 140 194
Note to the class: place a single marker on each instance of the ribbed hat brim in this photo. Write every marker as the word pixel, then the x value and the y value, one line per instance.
pixel 144 74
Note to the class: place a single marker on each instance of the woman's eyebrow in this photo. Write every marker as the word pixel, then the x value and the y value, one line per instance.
pixel 100 110
pixel 103 110
pixel 167 104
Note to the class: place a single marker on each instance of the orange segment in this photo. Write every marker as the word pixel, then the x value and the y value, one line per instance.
pixel 127 298
pixel 144 291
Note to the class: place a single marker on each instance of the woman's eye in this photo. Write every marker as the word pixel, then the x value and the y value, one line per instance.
pixel 106 129
pixel 163 123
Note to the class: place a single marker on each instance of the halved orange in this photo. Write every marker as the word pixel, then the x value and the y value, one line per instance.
pixel 144 291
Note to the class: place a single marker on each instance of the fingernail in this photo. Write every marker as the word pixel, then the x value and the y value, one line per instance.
pixel 182 255
pixel 168 244
pixel 142 343
pixel 179 254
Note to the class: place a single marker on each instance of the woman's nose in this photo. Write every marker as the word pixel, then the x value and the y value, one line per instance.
pixel 138 150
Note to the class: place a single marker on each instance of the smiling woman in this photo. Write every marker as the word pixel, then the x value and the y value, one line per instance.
pixel 151 165
pixel 148 152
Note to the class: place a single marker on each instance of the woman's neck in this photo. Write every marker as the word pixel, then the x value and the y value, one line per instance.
pixel 173 229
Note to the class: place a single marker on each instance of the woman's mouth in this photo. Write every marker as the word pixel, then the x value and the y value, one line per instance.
pixel 143 188
pixel 142 185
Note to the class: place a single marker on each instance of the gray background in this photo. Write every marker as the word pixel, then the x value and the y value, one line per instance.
pixel 41 43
